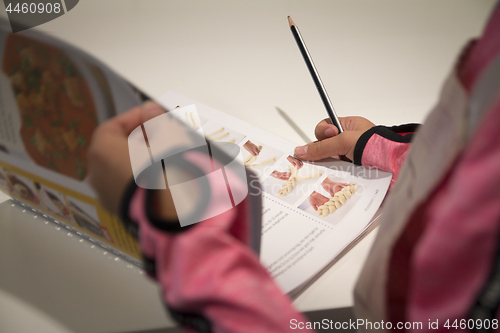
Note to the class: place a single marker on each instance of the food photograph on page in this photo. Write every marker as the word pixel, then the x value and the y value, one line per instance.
pixel 259 157
pixel 44 81
pixel 22 187
pixel 291 179
pixel 332 198
pixel 85 216
pixel 54 202
pixel 189 116
pixel 220 135
pixel 4 182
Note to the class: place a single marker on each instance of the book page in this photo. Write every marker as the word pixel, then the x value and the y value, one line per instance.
pixel 297 242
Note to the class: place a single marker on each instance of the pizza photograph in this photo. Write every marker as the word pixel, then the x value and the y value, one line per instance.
pixel 57 111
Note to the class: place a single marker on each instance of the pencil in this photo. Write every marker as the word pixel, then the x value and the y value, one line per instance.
pixel 315 75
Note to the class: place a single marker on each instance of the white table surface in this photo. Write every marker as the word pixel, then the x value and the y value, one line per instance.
pixel 384 60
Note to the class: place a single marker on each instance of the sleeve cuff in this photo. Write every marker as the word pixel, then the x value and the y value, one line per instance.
pixel 401 133
pixel 172 226
pixel 169 226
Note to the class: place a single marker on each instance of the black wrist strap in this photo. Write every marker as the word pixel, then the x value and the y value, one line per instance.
pixel 401 133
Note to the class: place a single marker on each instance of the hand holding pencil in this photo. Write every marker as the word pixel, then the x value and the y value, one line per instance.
pixel 332 144
pixel 337 136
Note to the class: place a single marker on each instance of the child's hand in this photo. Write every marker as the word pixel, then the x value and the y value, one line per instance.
pixel 108 157
pixel 332 144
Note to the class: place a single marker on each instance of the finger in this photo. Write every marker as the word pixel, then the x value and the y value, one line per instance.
pixel 151 110
pixel 120 125
pixel 325 129
pixel 126 122
pixel 322 149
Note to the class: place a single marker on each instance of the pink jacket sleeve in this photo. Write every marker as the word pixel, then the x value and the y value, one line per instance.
pixel 211 280
pixel 385 147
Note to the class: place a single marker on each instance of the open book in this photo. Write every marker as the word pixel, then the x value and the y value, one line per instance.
pixel 52 98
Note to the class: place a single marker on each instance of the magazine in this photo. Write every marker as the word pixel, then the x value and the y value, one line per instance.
pixel 52 97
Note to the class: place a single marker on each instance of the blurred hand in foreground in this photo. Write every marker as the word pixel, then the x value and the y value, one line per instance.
pixel 108 157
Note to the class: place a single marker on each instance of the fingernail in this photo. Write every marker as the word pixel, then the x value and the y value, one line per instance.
pixel 151 109
pixel 329 132
pixel 301 150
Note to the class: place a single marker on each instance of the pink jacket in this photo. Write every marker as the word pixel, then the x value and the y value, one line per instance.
pixel 443 265
pixel 211 279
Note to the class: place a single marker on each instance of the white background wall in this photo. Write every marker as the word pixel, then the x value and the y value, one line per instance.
pixel 384 60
